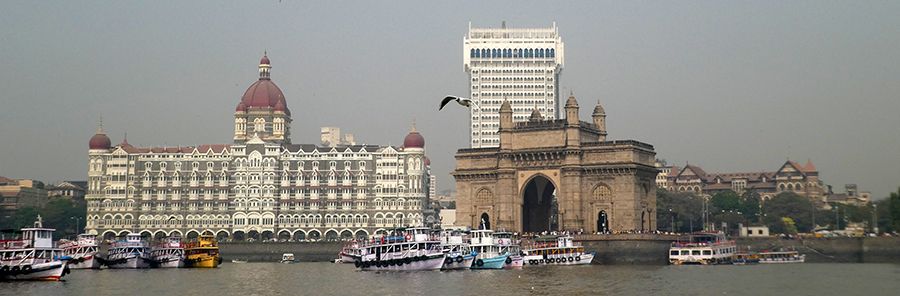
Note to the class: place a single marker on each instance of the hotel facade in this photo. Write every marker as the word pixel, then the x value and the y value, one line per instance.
pixel 259 187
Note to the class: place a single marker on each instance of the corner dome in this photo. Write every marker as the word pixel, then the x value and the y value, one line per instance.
pixel 535 115
pixel 99 141
pixel 571 101
pixel 241 107
pixel 599 109
pixel 264 60
pixel 414 140
pixel 427 161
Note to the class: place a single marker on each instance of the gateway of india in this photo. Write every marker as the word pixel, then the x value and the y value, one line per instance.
pixel 556 174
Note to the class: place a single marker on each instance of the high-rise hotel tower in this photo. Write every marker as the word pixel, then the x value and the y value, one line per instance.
pixel 518 65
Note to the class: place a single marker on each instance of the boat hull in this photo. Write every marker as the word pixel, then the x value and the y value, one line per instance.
pixel 89 262
pixel 348 258
pixel 495 262
pixel 50 271
pixel 433 262
pixel 583 259
pixel 170 263
pixel 130 263
pixel 203 262
pixel 458 262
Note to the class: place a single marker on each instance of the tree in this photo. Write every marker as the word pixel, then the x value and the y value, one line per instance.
pixel 726 201
pixel 750 205
pixel 24 217
pixel 894 210
pixel 788 205
pixel 684 208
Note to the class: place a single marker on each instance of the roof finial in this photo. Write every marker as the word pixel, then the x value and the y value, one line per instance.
pixel 414 124
pixel 101 125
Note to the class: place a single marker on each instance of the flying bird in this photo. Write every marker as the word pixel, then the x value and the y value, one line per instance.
pixel 461 101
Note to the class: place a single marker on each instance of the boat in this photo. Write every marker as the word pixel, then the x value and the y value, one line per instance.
pixel 459 254
pixel 781 257
pixel 489 254
pixel 288 258
pixel 406 250
pixel 350 253
pixel 129 253
pixel 238 261
pixel 33 257
pixel 556 250
pixel 83 251
pixel 744 258
pixel 704 248
pixel 202 252
pixel 510 244
pixel 168 254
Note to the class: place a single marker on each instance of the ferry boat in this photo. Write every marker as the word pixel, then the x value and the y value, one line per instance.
pixel 129 253
pixel 489 254
pixel 288 258
pixel 556 250
pixel 350 253
pixel 459 254
pixel 744 258
pixel 83 252
pixel 410 249
pixel 168 254
pixel 32 257
pixel 510 244
pixel 781 257
pixel 704 248
pixel 204 252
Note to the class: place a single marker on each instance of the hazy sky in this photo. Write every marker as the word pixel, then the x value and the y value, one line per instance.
pixel 724 85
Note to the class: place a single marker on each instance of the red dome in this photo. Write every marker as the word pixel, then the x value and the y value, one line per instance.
pixel 414 140
pixel 241 107
pixel 280 107
pixel 427 161
pixel 264 60
pixel 263 94
pixel 99 141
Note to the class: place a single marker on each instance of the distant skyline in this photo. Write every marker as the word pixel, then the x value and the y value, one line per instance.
pixel 726 86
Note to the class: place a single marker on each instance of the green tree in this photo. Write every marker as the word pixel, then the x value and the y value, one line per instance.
pixel 789 227
pixel 788 205
pixel 726 201
pixel 24 217
pixel 684 208
pixel 750 205
pixel 883 215
pixel 894 210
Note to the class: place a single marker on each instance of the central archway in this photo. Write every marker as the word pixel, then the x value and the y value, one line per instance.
pixel 539 208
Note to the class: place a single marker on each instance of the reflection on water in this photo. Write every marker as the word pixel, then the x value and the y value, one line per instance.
pixel 344 279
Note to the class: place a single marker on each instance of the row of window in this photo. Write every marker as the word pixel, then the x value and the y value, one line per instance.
pixel 512 53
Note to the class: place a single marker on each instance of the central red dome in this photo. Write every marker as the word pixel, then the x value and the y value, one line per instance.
pixel 99 141
pixel 264 93
pixel 414 140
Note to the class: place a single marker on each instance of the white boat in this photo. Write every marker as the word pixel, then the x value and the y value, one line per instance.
pixel 510 244
pixel 83 252
pixel 781 257
pixel 129 253
pixel 32 257
pixel 406 250
pixel 459 254
pixel 238 261
pixel 489 253
pixel 350 253
pixel 556 250
pixel 704 248
pixel 168 254
pixel 288 258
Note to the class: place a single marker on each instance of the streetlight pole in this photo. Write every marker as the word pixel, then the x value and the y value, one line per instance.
pixel 875 218
pixel 77 220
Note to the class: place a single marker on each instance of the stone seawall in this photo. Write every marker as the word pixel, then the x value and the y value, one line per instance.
pixel 624 249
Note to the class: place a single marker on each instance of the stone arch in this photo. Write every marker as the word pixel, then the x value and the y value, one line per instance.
pixel 222 235
pixel 539 204
pixel 109 235
pixel 192 234
pixel 175 233
pixel 314 234
pixel 601 193
pixel 362 234
pixel 346 234
pixel 284 235
pixel 331 235
pixel 484 196
pixel 299 235
pixel 267 235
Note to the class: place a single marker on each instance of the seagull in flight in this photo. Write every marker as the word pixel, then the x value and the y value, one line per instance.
pixel 462 101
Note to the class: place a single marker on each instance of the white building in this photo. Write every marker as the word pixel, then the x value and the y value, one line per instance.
pixel 262 186
pixel 519 65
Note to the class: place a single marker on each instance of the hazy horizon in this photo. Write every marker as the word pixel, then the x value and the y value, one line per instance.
pixel 726 86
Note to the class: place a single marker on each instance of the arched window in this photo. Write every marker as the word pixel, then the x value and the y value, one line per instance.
pixel 601 193
pixel 483 196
